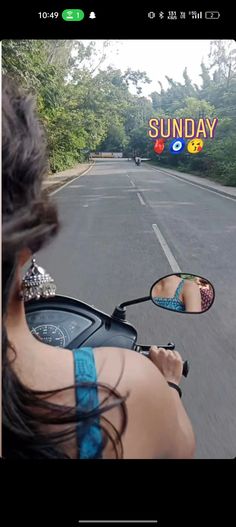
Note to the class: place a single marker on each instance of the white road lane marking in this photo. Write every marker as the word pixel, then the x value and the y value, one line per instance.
pixel 132 183
pixel 170 203
pixel 142 190
pixel 68 183
pixel 169 255
pixel 105 197
pixel 90 196
pixel 141 199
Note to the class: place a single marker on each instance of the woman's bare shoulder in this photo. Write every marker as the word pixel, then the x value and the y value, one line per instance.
pixel 190 286
pixel 150 410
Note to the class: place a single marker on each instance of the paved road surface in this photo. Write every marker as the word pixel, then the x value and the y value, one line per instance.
pixel 108 252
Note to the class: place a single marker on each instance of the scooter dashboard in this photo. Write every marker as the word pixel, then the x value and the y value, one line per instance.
pixel 69 323
pixel 57 327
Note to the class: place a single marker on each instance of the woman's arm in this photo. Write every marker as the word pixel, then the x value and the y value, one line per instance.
pixel 158 426
pixel 192 297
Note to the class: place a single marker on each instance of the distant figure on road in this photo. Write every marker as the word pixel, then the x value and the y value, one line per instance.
pixel 137 160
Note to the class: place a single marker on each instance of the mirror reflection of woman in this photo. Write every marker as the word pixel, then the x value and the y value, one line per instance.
pixel 177 294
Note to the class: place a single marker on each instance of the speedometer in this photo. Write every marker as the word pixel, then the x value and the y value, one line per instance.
pixel 50 334
pixel 57 327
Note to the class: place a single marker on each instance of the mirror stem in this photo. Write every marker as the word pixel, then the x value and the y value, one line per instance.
pixel 136 301
pixel 120 311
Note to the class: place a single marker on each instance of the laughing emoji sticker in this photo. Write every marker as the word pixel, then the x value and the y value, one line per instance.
pixel 195 146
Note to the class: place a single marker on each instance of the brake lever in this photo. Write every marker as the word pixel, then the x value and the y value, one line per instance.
pixel 169 346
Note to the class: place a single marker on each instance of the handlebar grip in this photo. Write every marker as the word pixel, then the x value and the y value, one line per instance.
pixel 169 346
pixel 185 368
pixel 144 350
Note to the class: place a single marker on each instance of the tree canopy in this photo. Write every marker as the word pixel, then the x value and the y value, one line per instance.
pixel 85 108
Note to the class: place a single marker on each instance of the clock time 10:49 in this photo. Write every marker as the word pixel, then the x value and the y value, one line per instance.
pixel 44 14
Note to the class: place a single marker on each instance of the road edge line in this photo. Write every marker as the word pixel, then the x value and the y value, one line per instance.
pixel 199 185
pixel 72 180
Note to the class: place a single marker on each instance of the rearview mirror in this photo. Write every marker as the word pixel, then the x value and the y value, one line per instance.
pixel 184 293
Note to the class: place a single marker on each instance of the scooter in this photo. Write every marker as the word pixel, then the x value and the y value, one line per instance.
pixel 138 161
pixel 69 323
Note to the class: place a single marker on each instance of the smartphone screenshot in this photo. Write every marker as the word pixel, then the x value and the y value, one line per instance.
pixel 118 258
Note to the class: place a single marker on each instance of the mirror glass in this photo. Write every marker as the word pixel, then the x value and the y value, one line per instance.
pixel 183 292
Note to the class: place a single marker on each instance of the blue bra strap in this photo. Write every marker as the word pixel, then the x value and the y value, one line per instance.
pixel 89 435
pixel 179 289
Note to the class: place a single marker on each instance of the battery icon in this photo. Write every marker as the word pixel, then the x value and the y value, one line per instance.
pixel 212 15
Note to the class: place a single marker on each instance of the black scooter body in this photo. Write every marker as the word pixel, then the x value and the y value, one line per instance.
pixel 103 330
pixel 69 323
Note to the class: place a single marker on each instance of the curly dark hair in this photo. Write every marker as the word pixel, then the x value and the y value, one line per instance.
pixel 30 220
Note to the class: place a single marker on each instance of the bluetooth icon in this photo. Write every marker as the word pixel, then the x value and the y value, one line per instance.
pixel 161 14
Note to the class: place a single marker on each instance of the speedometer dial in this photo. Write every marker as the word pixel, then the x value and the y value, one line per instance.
pixel 50 334
pixel 57 327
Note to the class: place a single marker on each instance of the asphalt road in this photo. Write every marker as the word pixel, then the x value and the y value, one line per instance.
pixel 107 252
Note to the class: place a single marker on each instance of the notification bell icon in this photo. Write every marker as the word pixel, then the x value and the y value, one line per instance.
pixel 92 15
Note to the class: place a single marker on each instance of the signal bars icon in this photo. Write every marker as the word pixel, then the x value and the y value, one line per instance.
pixel 195 14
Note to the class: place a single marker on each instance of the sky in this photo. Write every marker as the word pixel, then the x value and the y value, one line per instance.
pixel 158 58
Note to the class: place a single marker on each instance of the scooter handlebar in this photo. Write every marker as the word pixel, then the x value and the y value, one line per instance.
pixel 145 350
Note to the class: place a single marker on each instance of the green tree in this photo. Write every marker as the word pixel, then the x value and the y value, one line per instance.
pixel 84 107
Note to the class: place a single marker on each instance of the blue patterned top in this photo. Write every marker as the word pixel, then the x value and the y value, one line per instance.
pixel 172 303
pixel 89 434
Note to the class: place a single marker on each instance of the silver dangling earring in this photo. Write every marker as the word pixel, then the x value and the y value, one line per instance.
pixel 36 284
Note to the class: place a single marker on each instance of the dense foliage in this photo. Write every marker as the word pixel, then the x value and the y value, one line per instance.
pixel 85 108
